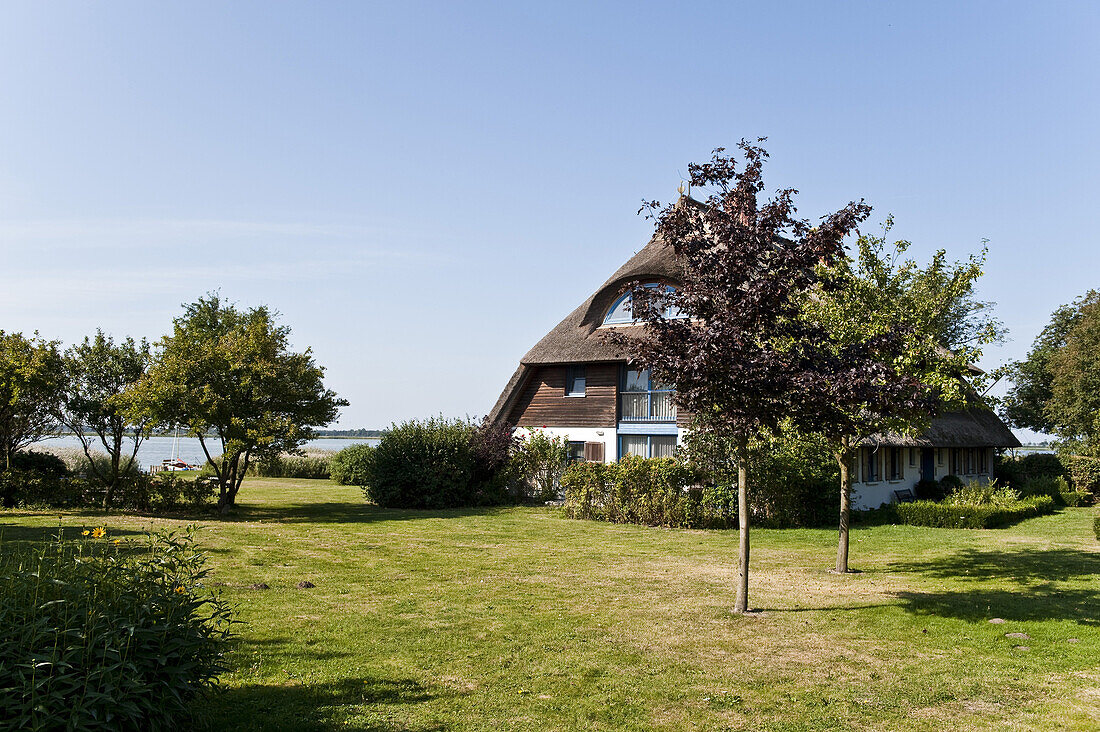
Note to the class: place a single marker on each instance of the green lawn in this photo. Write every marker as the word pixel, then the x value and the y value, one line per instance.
pixel 522 619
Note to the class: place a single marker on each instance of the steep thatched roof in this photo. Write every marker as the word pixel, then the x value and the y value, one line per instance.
pixel 972 428
pixel 575 339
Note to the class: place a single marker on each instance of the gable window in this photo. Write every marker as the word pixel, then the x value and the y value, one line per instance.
pixel 871 471
pixel 647 446
pixel 643 400
pixel 574 381
pixel 621 314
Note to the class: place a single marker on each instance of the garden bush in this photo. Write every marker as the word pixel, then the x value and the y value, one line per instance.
pixel 102 635
pixel 1042 465
pixel 653 492
pixel 1096 527
pixel 928 489
pixel 43 463
pixel 312 465
pixel 428 464
pixel 949 484
pixel 1057 488
pixel 1084 472
pixel 351 465
pixel 539 463
pixel 971 516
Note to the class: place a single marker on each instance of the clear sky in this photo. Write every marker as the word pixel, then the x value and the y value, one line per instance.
pixel 423 190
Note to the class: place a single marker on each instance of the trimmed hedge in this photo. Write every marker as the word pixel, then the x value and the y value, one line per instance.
pixel 652 492
pixel 969 516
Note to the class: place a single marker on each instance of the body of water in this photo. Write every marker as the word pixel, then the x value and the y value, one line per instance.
pixel 155 450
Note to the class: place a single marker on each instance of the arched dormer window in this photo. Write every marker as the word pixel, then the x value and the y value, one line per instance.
pixel 620 312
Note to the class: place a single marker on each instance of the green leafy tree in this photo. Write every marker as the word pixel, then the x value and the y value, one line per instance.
pixel 229 378
pixel 99 377
pixel 1074 405
pixel 1031 403
pixel 31 375
pixel 901 337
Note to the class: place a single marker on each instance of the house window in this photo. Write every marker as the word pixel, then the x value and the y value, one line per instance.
pixel 939 456
pixel 871 471
pixel 913 457
pixel 574 381
pixel 957 465
pixel 983 460
pixel 643 400
pixel 647 446
pixel 621 312
pixel 576 452
pixel 893 463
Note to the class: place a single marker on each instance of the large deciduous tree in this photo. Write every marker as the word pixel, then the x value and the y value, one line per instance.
pixel 31 374
pixel 1057 387
pixel 743 359
pixel 229 377
pixel 901 337
pixel 99 377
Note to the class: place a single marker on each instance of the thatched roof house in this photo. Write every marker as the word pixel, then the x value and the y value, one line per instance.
pixel 575 383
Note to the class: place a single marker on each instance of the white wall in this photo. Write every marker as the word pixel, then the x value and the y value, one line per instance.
pixel 582 434
pixel 873 495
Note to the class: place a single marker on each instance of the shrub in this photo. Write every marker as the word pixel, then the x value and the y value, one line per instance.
pixel 982 493
pixel 1084 472
pixel 99 636
pixel 928 489
pixel 653 492
pixel 1096 527
pixel 428 464
pixel 950 483
pixel 351 465
pixel 1058 489
pixel 971 516
pixel 27 489
pixel 1042 465
pixel 313 465
pixel 43 463
pixel 495 465
pixel 540 461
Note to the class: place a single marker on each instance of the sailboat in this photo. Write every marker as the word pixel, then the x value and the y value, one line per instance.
pixel 176 462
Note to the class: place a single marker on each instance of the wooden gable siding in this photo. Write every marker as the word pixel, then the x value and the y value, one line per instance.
pixel 544 402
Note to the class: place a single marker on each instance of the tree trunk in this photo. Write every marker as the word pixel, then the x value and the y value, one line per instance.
pixel 742 603
pixel 844 459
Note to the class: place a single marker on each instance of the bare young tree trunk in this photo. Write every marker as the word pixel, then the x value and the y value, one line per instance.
pixel 742 603
pixel 844 459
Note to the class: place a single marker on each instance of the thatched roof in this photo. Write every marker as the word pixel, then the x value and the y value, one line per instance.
pixel 579 339
pixel 972 428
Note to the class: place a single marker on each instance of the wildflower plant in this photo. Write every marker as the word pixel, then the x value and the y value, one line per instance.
pixel 103 633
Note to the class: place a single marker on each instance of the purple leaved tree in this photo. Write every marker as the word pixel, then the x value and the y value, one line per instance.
pixel 743 359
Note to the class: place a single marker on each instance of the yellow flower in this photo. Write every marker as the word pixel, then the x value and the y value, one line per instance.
pixel 116 542
pixel 99 533
pixel 180 589
pixel 85 532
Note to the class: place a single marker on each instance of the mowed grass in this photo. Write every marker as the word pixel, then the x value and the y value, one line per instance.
pixel 521 619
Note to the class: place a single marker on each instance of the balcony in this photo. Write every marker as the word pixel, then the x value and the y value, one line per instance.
pixel 647 406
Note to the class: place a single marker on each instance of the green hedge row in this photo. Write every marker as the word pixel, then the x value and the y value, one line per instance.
pixel 654 492
pixel 946 516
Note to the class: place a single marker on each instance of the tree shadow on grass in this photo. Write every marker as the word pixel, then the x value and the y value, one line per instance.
pixel 346 513
pixel 307 707
pixel 16 535
pixel 1023 564
pixel 1036 598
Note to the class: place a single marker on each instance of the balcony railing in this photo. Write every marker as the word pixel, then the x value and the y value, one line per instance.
pixel 646 406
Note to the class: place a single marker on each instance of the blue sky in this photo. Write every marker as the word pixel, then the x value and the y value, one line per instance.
pixel 423 190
